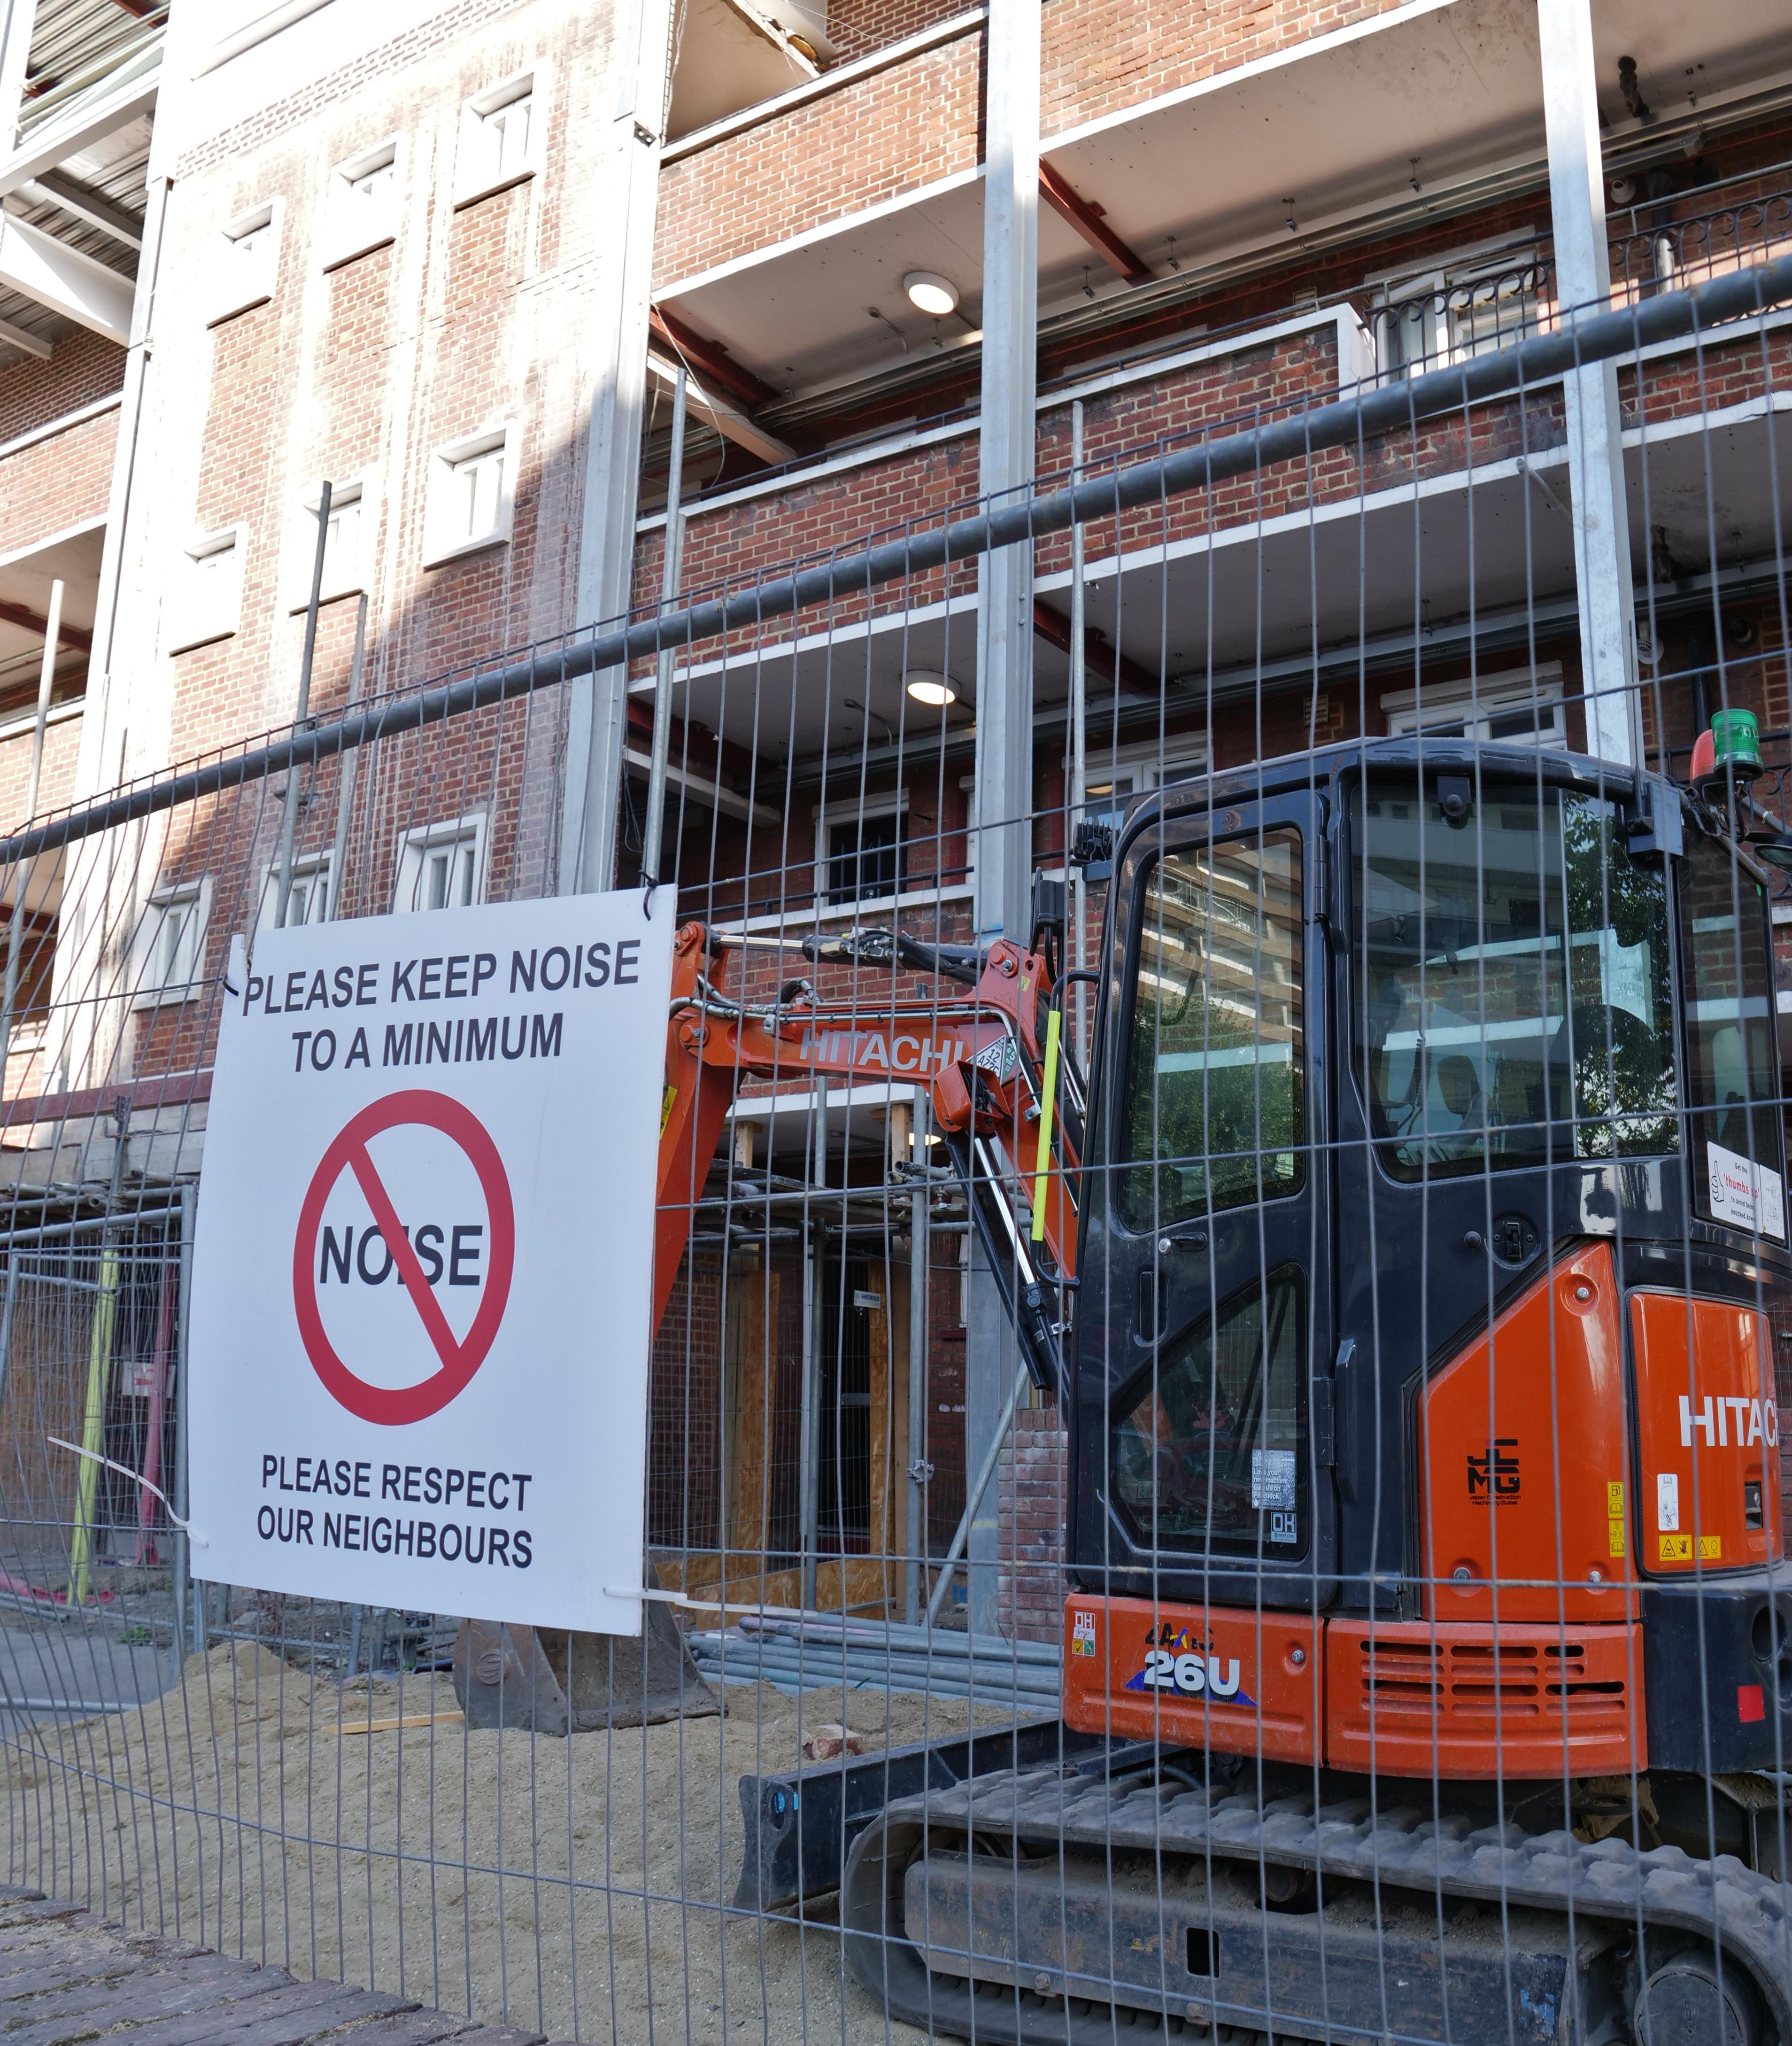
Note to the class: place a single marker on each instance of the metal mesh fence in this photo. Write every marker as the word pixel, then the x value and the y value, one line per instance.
pixel 1213 1436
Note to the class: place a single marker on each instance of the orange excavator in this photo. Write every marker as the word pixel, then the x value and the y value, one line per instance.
pixel 1409 1277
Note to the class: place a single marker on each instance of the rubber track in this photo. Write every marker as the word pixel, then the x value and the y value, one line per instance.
pixel 1749 1916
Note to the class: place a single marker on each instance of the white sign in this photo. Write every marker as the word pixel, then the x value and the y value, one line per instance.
pixel 1747 1194
pixel 422 1276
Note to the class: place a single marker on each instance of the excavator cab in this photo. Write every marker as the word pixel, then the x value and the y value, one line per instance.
pixel 1433 1241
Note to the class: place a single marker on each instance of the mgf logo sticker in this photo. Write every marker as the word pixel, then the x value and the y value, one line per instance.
pixel 1181 1667
pixel 1494 1477
pixel 1082 1634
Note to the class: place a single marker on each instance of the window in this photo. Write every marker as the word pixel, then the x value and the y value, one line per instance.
pixel 498 135
pixel 363 205
pixel 248 259
pixel 1518 707
pixel 1512 1000
pixel 1208 1447
pixel 309 902
pixel 168 954
pixel 344 569
pixel 1113 778
pixel 1732 1059
pixel 861 851
pixel 472 489
pixel 442 866
pixel 1214 1113
pixel 1428 323
pixel 206 590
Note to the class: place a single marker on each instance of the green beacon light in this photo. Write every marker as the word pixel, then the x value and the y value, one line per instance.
pixel 1736 745
pixel 1728 755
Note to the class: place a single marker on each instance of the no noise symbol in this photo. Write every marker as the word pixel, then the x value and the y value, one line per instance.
pixel 459 1360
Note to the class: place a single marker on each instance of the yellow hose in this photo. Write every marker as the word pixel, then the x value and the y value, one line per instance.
pixel 93 1431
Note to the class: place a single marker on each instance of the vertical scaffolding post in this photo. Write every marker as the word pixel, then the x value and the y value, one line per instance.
pixel 289 821
pixel 1079 744
pixel 21 881
pixel 1008 435
pixel 1583 278
pixel 920 1470
pixel 653 837
pixel 345 782
pixel 808 1447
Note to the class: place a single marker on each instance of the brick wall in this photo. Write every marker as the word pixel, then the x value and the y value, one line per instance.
pixel 1098 56
pixel 83 367
pixel 1030 1580
pixel 62 745
pixel 873 140
pixel 858 28
pixel 57 483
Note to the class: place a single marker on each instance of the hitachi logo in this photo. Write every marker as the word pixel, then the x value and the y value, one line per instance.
pixel 1753 1421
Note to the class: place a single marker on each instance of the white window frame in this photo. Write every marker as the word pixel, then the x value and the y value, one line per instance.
pixel 1150 766
pixel 891 803
pixel 306 867
pixel 345 571
pixel 1441 329
pixel 202 613
pixel 1510 688
pixel 475 177
pixel 353 226
pixel 415 848
pixel 443 542
pixel 155 983
pixel 244 279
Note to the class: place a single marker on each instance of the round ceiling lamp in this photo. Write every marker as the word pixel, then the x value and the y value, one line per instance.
pixel 928 292
pixel 925 687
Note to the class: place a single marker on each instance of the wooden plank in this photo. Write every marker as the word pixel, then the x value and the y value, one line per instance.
pixel 188 1988
pixel 285 2016
pixel 755 1377
pixel 347 1728
pixel 425 2027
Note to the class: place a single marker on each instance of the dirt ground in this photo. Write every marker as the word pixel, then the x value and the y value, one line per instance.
pixel 436 1862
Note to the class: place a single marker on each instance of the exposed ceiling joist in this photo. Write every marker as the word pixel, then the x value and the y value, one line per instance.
pixel 1055 629
pixel 731 425
pixel 1086 219
pixel 32 621
pixel 57 188
pixel 37 266
pixel 711 358
pixel 15 336
pixel 56 143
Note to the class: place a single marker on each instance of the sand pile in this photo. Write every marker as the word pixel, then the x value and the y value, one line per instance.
pixel 569 1886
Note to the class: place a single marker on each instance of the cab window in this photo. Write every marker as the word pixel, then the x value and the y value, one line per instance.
pixel 1213 1113
pixel 1733 1061
pixel 1209 1443
pixel 1512 994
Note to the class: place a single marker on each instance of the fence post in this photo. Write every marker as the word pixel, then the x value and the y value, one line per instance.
pixel 177 1491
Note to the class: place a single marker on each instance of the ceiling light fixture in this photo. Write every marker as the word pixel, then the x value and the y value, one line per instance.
pixel 930 293
pixel 932 689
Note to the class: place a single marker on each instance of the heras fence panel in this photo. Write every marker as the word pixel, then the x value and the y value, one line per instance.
pixel 1213 1441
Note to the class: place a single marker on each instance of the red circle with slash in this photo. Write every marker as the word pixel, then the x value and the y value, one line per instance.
pixel 460 1360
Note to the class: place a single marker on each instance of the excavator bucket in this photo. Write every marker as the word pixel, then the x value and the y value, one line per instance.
pixel 551 1681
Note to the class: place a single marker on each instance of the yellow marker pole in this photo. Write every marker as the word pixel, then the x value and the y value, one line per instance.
pixel 93 1431
pixel 1048 1094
